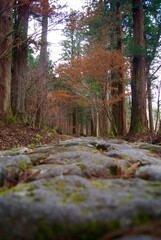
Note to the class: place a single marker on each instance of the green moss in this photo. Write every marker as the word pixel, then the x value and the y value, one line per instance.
pixel 124 156
pixel 86 231
pixel 125 200
pixel 23 164
pixel 154 185
pixel 38 137
pixel 99 184
pixel 10 118
pixel 51 133
pixel 93 230
pixel 30 191
pixel 74 197
pixel 80 185
pixel 44 232
pixel 57 185
pixel 5 190
pixel 141 218
pixel 33 145
pixel 152 148
pixel 71 195
pixel 81 166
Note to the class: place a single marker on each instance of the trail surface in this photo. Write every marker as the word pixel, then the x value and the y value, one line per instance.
pixel 81 189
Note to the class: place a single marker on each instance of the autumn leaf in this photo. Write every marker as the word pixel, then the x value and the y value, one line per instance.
pixel 131 170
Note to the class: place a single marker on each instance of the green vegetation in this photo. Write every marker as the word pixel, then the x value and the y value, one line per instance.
pixel 87 231
pixel 10 118
pixel 100 184
pixel 75 197
pixel 81 166
pixel 73 194
pixel 45 232
pixel 16 189
pixel 141 218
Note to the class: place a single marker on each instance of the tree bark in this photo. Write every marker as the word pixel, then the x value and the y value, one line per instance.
pixel 138 82
pixel 158 107
pixel 149 60
pixel 5 56
pixel 42 94
pixel 75 121
pixel 149 95
pixel 20 65
pixel 118 109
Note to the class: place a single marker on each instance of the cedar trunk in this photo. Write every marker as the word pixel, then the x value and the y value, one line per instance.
pixel 42 93
pixel 20 52
pixel 118 109
pixel 5 56
pixel 150 108
pixel 138 82
pixel 75 121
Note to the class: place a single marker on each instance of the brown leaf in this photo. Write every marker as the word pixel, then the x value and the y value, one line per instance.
pixel 131 170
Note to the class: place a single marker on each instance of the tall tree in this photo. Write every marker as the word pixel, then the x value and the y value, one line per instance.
pixel 5 55
pixel 152 10
pixel 20 50
pixel 42 94
pixel 152 31
pixel 138 82
pixel 72 49
pixel 118 109
pixel 71 45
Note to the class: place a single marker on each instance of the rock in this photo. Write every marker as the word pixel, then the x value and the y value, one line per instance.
pixel 37 158
pixel 68 157
pixel 86 164
pixel 150 147
pixel 11 167
pixel 78 141
pixel 82 189
pixel 19 161
pixel 3 174
pixel 133 155
pixel 76 208
pixel 43 149
pixel 14 151
pixel 50 170
pixel 149 172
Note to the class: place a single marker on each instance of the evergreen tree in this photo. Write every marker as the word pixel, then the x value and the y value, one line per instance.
pixel 71 45
pixel 20 53
pixel 138 82
pixel 152 11
pixel 5 56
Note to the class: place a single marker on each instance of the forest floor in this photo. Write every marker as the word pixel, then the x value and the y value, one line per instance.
pixel 12 136
pixel 20 135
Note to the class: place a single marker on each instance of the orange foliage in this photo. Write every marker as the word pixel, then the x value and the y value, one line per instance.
pixel 89 78
pixel 61 96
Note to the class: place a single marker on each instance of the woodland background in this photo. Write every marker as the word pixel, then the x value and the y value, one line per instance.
pixel 105 82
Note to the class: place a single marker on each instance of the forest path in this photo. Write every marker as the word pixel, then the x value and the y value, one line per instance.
pixel 82 188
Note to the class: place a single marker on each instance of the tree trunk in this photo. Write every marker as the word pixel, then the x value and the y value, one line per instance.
pixel 158 107
pixel 20 52
pixel 42 94
pixel 138 82
pixel 149 60
pixel 5 56
pixel 75 121
pixel 118 109
pixel 150 109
